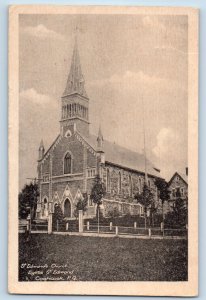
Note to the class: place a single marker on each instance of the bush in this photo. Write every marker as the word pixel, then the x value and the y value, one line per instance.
pixel 57 217
pixel 126 221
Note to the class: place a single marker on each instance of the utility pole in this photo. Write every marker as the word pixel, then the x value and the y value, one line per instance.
pixel 144 141
pixel 145 156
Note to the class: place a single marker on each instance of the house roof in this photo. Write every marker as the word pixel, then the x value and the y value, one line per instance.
pixel 182 175
pixel 123 157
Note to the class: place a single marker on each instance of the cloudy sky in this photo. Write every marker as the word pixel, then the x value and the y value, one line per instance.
pixel 126 61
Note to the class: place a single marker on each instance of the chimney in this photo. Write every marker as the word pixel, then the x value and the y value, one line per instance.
pixel 186 171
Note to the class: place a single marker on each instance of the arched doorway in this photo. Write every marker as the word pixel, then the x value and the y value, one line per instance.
pixel 45 208
pixel 67 208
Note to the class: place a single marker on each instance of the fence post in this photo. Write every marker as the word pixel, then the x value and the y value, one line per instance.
pixel 150 232
pixel 135 224
pixel 67 226
pixel 87 225
pixel 110 226
pixel 116 230
pixel 80 221
pixel 50 223
pixel 162 229
pixel 162 226
pixel 28 223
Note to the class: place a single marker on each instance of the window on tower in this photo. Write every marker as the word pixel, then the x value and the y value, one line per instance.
pixel 68 163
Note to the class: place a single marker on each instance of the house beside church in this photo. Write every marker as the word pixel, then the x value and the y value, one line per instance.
pixel 66 171
pixel 178 187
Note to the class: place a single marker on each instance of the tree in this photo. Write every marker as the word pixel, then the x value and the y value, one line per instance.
pixel 97 193
pixel 179 215
pixel 81 205
pixel 28 198
pixel 163 192
pixel 146 198
pixel 57 216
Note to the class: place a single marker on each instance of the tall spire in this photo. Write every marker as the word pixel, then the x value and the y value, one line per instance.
pixel 75 81
pixel 74 102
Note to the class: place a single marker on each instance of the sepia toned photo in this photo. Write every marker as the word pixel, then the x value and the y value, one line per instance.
pixel 103 140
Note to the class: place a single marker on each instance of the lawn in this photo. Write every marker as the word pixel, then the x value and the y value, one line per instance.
pixel 57 257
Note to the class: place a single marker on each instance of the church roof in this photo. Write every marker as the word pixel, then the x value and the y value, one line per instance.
pixel 75 81
pixel 123 157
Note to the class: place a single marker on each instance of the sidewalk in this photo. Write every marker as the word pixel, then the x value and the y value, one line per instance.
pixel 127 236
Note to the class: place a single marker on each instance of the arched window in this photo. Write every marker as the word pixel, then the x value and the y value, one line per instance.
pixel 119 183
pixel 130 186
pixel 108 180
pixel 67 111
pixel 68 163
pixel 140 185
pixel 70 110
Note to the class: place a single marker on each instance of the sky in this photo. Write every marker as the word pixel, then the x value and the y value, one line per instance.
pixel 133 65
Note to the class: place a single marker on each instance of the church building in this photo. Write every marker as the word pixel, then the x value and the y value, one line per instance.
pixel 66 171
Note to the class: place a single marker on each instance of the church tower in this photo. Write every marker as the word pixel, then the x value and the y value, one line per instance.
pixel 74 101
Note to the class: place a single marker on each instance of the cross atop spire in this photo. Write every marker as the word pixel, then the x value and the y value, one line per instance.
pixel 75 81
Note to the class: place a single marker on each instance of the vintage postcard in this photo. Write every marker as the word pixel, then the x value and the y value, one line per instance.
pixel 103 150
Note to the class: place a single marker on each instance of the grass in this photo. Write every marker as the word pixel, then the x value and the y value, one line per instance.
pixel 103 259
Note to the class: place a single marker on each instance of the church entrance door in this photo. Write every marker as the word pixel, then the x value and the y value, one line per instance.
pixel 67 208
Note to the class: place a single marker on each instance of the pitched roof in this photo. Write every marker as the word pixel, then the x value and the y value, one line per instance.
pixel 122 156
pixel 182 175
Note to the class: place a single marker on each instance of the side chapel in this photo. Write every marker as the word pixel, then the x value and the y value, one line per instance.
pixel 66 171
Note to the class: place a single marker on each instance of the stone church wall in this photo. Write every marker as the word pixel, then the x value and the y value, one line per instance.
pixel 130 182
pixel 75 148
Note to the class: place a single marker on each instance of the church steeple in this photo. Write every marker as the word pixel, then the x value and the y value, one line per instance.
pixel 75 81
pixel 75 102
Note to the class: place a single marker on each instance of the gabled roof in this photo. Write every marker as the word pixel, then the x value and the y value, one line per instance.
pixel 122 156
pixel 181 175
